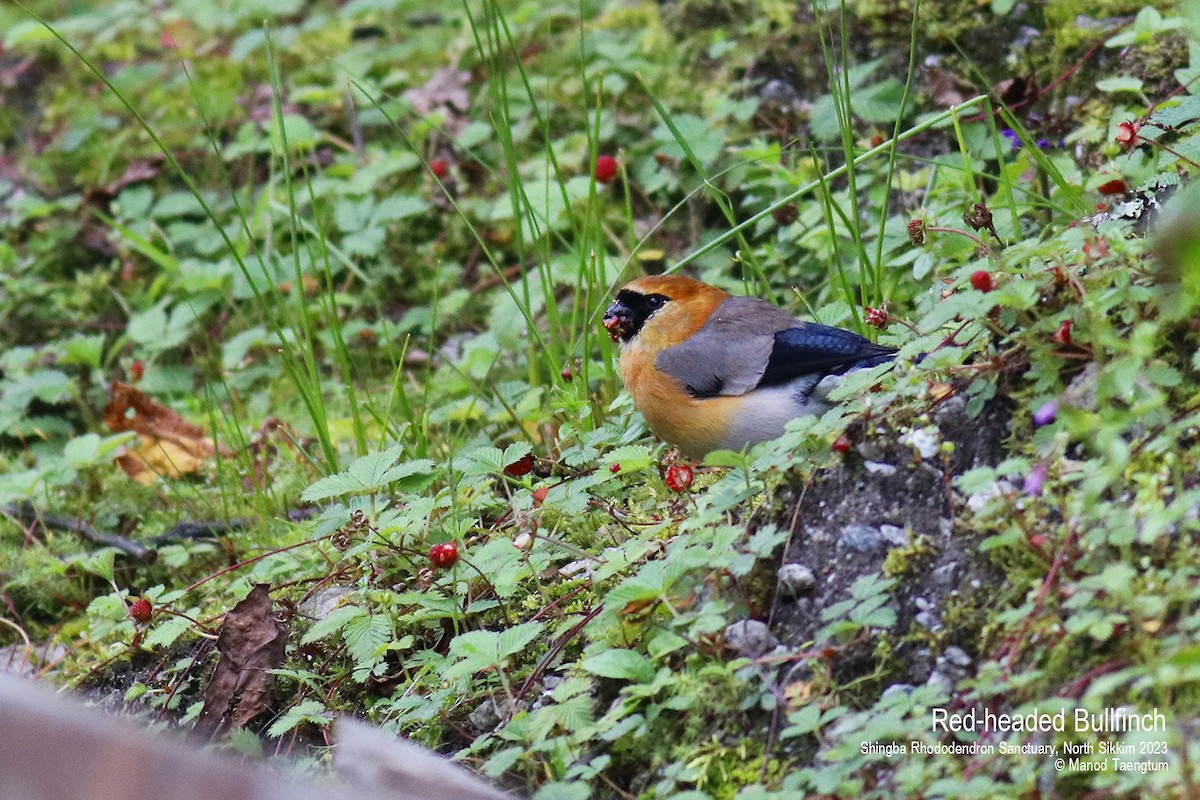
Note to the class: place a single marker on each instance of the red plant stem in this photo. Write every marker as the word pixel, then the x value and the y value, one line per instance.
pixel 259 557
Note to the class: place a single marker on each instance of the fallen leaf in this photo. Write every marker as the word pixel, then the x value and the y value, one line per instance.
pixel 947 89
pixel 447 87
pixel 1016 92
pixel 168 445
pixel 251 643
pixel 940 391
pixel 797 693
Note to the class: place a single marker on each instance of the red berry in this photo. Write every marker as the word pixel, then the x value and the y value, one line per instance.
pixel 841 444
pixel 1063 334
pixel 567 374
pixel 1116 186
pixel 522 466
pixel 876 316
pixel 141 610
pixel 439 167
pixel 786 215
pixel 916 231
pixel 678 477
pixel 444 555
pixel 606 168
pixel 982 280
pixel 614 469
pixel 1127 133
pixel 136 370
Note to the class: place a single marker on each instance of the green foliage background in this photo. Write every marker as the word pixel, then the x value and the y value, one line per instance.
pixel 363 244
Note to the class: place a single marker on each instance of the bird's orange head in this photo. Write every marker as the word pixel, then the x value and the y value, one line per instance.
pixel 661 309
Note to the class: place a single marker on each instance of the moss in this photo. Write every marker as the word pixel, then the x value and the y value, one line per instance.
pixel 916 554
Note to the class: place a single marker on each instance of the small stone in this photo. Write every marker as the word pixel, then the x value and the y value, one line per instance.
pixel 950 410
pixel 325 601
pixel 862 539
pixel 923 440
pixel 920 665
pixel 957 656
pixel 897 689
pixel 1081 392
pixel 893 535
pixel 978 501
pixel 879 468
pixel 928 620
pixel 940 680
pixel 796 579
pixel 485 717
pixel 750 638
pixel 945 574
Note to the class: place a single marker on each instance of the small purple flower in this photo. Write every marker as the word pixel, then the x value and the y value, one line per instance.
pixel 1013 138
pixel 1046 413
pixel 1035 479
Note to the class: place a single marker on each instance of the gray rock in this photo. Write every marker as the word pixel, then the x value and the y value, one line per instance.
pixel 897 688
pixel 1081 392
pixel 325 601
pixel 946 574
pixel 956 656
pixel 925 441
pixel 929 620
pixel 862 539
pixel 796 579
pixel 485 717
pixel 894 535
pixel 750 638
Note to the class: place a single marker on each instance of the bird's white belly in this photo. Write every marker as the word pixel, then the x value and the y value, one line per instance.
pixel 763 413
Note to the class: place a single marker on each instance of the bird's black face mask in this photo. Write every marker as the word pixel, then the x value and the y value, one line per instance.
pixel 629 312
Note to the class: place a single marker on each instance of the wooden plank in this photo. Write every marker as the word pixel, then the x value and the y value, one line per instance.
pixel 53 747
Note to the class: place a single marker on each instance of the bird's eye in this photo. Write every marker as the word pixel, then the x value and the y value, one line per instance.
pixel 655 301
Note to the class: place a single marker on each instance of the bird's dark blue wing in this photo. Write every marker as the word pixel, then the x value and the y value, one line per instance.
pixel 812 348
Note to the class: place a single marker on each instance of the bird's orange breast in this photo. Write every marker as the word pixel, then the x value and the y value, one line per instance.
pixel 694 425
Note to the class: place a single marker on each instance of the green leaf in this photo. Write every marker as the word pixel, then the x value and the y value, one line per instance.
pixel 166 632
pixel 136 690
pixel 310 711
pixel 371 472
pixel 622 664
pixel 101 563
pixel 630 458
pixel 479 650
pixel 400 207
pixel 516 638
pixel 1123 83
pixel 705 143
pixel 366 635
pixel 806 720
pixel 47 385
pixel 332 623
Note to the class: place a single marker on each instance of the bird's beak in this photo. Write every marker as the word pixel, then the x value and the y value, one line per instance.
pixel 616 321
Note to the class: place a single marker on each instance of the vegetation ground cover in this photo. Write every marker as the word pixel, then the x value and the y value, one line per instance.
pixel 307 295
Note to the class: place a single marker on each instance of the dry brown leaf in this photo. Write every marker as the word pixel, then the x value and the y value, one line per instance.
pixel 797 693
pixel 940 391
pixel 251 643
pixel 168 445
pixel 447 87
pixel 948 89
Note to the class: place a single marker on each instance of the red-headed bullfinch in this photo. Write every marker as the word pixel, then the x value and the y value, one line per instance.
pixel 710 370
